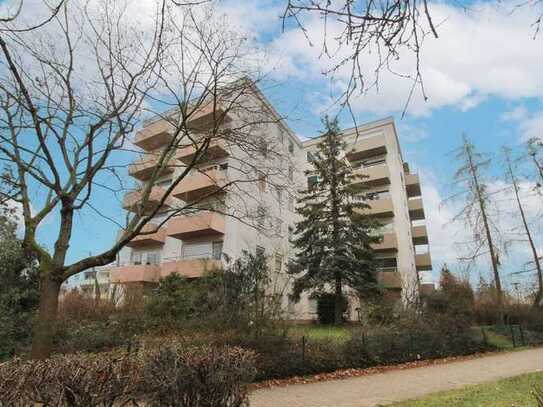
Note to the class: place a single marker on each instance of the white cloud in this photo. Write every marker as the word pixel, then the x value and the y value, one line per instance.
pixel 532 127
pixel 518 113
pixel 483 52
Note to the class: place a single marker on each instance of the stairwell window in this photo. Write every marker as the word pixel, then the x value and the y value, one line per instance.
pixel 261 216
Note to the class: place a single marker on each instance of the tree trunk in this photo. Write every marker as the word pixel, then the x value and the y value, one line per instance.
pixel 338 303
pixel 46 321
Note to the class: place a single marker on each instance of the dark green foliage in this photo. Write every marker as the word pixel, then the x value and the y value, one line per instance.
pixel 283 356
pixel 169 376
pixel 233 298
pixel 333 239
pixel 326 306
pixel 18 291
pixel 180 299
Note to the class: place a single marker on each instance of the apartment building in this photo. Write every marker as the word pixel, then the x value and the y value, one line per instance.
pixel 253 213
pixel 258 212
pixel 373 151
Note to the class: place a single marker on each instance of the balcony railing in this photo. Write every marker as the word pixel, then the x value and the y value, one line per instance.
pixel 208 115
pixel 199 224
pixel 373 176
pixel 132 200
pixel 389 242
pixel 141 273
pixel 143 167
pixel 367 147
pixel 419 234
pixel 390 279
pixel 412 185
pixel 215 150
pixel 379 207
pixel 200 184
pixel 148 239
pixel 423 261
pixel 154 135
pixel 416 209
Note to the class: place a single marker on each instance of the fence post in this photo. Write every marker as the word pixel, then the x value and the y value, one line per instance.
pixel 303 350
pixel 522 338
pixel 513 335
pixel 485 340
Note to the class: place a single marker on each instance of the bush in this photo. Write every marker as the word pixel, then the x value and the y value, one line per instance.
pixel 206 376
pixel 408 340
pixel 74 380
pixel 173 375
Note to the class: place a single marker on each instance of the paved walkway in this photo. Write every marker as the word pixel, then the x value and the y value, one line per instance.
pixel 398 385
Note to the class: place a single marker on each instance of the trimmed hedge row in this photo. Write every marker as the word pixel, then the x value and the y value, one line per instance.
pixel 281 357
pixel 169 376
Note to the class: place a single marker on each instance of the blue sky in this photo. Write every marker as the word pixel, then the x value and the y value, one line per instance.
pixel 483 78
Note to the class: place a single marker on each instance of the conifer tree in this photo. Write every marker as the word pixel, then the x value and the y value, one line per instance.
pixel 333 237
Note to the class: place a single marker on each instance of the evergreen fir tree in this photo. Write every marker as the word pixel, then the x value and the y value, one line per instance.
pixel 333 238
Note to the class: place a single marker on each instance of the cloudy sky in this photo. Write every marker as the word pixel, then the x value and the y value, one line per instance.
pixel 482 76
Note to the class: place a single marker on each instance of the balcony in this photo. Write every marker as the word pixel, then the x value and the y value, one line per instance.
pixel 132 200
pixel 200 224
pixel 419 234
pixel 207 115
pixel 190 268
pixel 200 184
pixel 416 210
pixel 423 261
pixel 147 273
pixel 143 168
pixel 389 242
pixel 390 279
pixel 412 185
pixel 149 239
pixel 374 175
pixel 379 207
pixel 367 147
pixel 154 135
pixel 215 150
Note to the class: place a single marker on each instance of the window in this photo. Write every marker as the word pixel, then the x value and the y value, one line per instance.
pixel 291 203
pixel 263 147
pixel 217 250
pixel 310 157
pixel 261 215
pixel 279 192
pixel 387 264
pixel 290 147
pixel 262 183
pixel 290 173
pixel 223 167
pixel 153 258
pixel 89 275
pixel 136 258
pixel 259 251
pixel 312 181
pixel 278 263
pixel 278 226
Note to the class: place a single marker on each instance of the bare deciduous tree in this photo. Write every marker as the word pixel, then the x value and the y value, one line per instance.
pixel 475 213
pixel 72 91
pixel 513 179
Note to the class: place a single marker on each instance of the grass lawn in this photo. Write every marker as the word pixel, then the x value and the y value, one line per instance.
pixel 322 332
pixel 513 392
